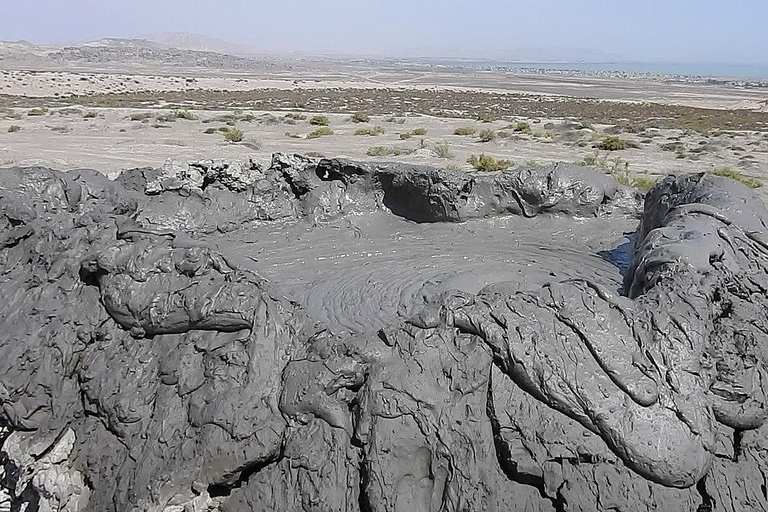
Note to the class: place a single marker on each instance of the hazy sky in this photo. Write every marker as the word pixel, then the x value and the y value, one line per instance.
pixel 670 30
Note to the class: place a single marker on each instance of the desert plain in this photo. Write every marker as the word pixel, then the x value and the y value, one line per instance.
pixel 113 117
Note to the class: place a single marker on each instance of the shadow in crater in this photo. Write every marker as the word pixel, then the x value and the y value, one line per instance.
pixel 621 256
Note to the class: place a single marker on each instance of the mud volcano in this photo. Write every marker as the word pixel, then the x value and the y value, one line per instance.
pixel 337 336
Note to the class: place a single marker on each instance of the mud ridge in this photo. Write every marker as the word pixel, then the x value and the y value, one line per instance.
pixel 306 334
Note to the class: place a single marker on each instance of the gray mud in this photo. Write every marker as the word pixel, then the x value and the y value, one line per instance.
pixel 335 336
pixel 366 272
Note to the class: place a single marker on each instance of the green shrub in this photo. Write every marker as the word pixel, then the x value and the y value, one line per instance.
pixel 319 121
pixel 36 112
pixel 378 151
pixel 14 128
pixel 613 143
pixel 359 117
pixel 522 127
pixel 419 131
pixel 233 135
pixel 487 163
pixel 487 135
pixel 374 131
pixel 185 114
pixel 465 130
pixel 443 150
pixel 486 117
pixel 643 183
pixel 727 172
pixel 320 132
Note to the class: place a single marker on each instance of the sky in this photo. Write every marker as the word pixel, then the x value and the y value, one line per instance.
pixel 731 31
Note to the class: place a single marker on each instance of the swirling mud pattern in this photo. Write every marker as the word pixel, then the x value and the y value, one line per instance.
pixel 304 335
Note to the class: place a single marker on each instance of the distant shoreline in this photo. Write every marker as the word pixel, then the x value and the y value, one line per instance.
pixel 755 73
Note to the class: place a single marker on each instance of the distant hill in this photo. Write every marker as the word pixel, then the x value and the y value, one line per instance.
pixel 127 53
pixel 144 52
pixel 200 43
pixel 187 50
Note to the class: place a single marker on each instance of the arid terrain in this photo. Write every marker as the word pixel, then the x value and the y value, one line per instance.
pixel 81 110
pixel 207 310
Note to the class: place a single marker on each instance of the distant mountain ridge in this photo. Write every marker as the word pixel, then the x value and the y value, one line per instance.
pixel 137 52
pixel 200 43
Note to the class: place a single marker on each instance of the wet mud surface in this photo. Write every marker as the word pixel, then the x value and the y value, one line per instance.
pixel 334 335
pixel 367 272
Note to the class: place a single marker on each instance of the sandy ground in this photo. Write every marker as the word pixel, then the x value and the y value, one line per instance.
pixel 653 89
pixel 112 139
pixel 109 140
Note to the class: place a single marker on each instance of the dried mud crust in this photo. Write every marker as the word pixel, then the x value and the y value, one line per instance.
pixel 146 365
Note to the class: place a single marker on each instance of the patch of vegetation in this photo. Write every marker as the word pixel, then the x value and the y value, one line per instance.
pixel 209 131
pixel 487 135
pixel 532 163
pixel 107 102
pixel 166 118
pixel 644 183
pixel 443 150
pixel 619 169
pixel 233 135
pixel 487 163
pixel 14 128
pixel 323 131
pixel 373 131
pixel 522 127
pixel 486 117
pixel 727 172
pixel 268 119
pixel 319 121
pixel 380 151
pixel 359 117
pixel 614 143
pixel 465 130
pixel 69 111
pixel 185 114
pixel 295 117
pixel 405 135
pixel 419 131
pixel 36 112
pixel 143 116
